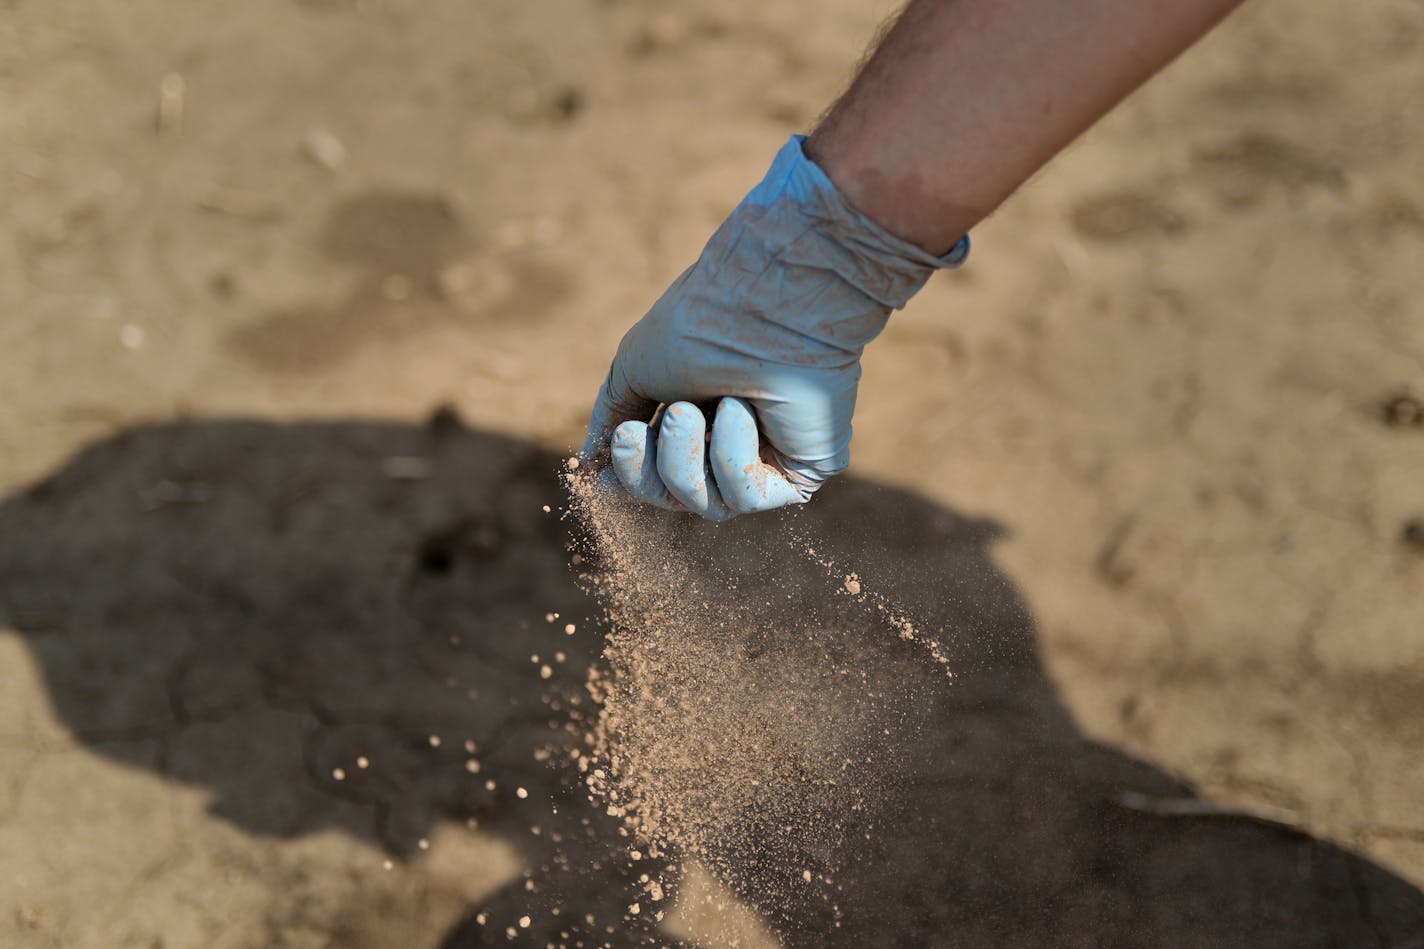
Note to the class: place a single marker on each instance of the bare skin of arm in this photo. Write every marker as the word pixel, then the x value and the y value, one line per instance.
pixel 964 100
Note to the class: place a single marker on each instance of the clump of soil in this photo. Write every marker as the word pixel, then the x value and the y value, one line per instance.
pixel 747 700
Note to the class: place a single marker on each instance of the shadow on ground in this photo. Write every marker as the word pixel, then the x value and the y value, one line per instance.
pixel 249 606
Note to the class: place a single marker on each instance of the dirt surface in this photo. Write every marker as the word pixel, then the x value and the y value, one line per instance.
pixel 1151 462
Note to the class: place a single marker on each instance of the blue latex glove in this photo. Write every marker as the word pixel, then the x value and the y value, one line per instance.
pixel 769 325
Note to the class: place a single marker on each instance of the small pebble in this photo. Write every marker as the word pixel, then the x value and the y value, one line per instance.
pixel 423 844
pixel 521 793
pixel 171 91
pixel 324 148
pixel 665 32
pixel 1402 410
pixel 339 774
pixel 1412 533
pixel 363 762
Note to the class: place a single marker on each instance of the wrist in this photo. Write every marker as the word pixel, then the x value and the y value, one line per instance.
pixel 804 214
pixel 895 195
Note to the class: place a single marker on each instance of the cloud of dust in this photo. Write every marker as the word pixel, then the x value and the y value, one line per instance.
pixel 749 703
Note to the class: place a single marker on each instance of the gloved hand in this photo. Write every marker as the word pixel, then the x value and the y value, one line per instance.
pixel 771 320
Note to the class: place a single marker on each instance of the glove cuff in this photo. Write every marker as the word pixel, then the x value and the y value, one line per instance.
pixel 884 267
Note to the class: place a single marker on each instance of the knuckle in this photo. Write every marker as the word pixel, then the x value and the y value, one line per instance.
pixel 627 433
pixel 681 415
pixel 628 460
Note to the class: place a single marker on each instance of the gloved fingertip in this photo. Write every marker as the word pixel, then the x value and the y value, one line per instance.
pixel 628 449
pixel 683 417
pixel 629 434
pixel 634 463
pixel 737 416
pixel 682 457
pixel 747 483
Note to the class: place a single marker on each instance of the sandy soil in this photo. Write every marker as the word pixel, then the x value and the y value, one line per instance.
pixel 1149 459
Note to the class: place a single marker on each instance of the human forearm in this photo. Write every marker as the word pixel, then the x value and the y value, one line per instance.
pixel 964 100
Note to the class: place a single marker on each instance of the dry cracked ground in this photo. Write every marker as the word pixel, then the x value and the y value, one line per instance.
pixel 304 300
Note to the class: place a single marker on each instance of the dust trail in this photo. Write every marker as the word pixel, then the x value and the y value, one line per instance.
pixel 893 616
pixel 751 696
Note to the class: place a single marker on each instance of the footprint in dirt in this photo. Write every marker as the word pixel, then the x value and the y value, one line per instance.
pixel 254 608
pixel 416 269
